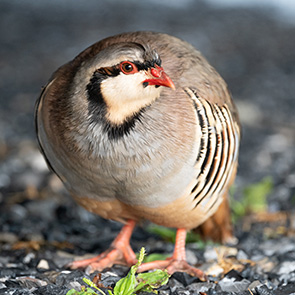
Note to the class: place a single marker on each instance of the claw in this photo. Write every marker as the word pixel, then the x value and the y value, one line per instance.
pixel 177 262
pixel 120 252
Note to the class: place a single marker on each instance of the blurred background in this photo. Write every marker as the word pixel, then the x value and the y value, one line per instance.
pixel 251 45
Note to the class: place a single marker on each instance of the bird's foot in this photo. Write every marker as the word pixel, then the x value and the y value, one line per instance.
pixel 114 255
pixel 120 252
pixel 173 265
pixel 177 262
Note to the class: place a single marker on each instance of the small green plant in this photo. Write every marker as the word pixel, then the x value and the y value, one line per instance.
pixel 130 284
pixel 169 234
pixel 254 199
pixel 155 256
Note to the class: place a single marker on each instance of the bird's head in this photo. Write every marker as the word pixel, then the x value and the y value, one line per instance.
pixel 123 79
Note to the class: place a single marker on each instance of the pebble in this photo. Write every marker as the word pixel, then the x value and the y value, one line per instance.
pixel 191 257
pixel 74 285
pixel 201 287
pixel 8 237
pixel 4 180
pixel 286 267
pixel 28 258
pixel 242 255
pixel 43 264
pixel 271 247
pixel 254 284
pixel 210 254
pixel 31 282
pixel 214 270
pixel 18 212
pixel 231 285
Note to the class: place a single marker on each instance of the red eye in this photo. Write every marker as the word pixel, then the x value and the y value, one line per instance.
pixel 128 67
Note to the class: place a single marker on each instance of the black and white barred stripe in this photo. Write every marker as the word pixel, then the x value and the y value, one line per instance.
pixel 218 152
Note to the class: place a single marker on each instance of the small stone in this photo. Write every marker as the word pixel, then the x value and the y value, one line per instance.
pixel 28 258
pixel 266 264
pixel 51 289
pixel 109 279
pixel 291 180
pixel 249 113
pixel 6 237
pixel 181 291
pixel 254 284
pixel 214 270
pixel 242 255
pixel 286 267
pixel 263 290
pixel 285 278
pixel 74 285
pixel 43 264
pixel 18 212
pixel 4 180
pixel 210 254
pixel 3 261
pixel 62 258
pixel 231 285
pixel 69 276
pixel 191 257
pixel 201 287
pixel 30 282
pixel 184 278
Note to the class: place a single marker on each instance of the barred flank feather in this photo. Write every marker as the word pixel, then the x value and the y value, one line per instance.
pixel 218 152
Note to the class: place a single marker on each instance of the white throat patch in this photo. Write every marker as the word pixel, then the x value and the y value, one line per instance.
pixel 125 95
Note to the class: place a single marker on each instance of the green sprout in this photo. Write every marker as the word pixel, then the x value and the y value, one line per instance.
pixel 169 235
pixel 131 284
pixel 254 199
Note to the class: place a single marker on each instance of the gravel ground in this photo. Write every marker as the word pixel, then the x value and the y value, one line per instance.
pixel 41 229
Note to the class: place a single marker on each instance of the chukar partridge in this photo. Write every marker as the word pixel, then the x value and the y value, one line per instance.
pixel 140 126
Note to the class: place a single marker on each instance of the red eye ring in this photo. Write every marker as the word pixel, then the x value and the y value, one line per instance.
pixel 128 68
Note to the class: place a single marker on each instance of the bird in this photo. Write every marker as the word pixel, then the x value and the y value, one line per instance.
pixel 139 126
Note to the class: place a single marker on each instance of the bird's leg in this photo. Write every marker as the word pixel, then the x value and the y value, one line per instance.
pixel 120 252
pixel 178 260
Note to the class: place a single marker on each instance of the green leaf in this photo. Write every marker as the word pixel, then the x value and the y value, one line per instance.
pixel 140 259
pixel 131 283
pixel 126 285
pixel 254 199
pixel 152 280
pixel 167 234
pixel 88 291
pixel 90 283
pixel 256 194
pixel 155 256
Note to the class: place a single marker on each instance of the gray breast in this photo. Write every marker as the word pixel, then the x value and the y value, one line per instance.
pixel 151 166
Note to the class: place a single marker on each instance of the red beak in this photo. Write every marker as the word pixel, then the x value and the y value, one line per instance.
pixel 160 78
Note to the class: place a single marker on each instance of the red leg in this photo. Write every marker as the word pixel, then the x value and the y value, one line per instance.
pixel 178 260
pixel 119 252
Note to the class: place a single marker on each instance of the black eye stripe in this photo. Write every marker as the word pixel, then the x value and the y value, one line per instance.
pixel 115 70
pixel 148 64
